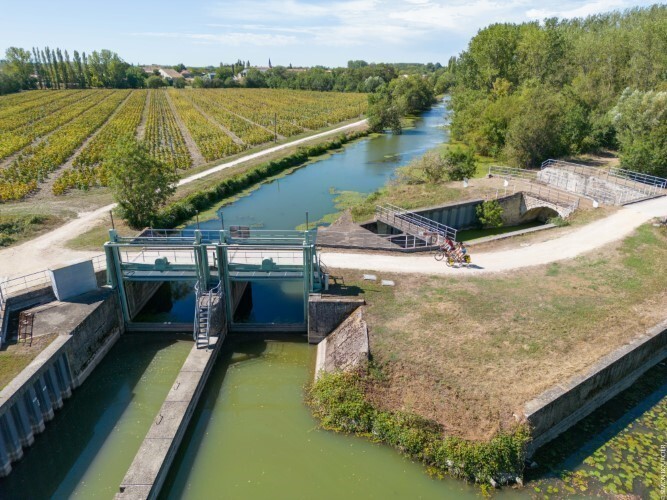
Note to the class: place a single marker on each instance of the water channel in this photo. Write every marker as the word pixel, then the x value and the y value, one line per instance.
pixel 251 435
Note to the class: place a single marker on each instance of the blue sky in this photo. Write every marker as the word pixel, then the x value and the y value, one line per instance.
pixel 300 32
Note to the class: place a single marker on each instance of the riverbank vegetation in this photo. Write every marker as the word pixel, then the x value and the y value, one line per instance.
pixel 401 97
pixel 468 352
pixel 531 91
pixel 339 401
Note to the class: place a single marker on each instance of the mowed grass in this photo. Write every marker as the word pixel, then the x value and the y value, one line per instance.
pixel 14 357
pixel 468 352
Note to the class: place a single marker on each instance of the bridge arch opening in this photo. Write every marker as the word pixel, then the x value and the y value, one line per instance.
pixel 542 214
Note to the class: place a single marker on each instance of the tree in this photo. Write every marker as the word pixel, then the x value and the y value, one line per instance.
pixel 135 77
pixel 490 213
pixel 383 113
pixel 412 94
pixel 460 164
pixel 8 83
pixel 254 79
pixel 198 82
pixel 155 82
pixel 433 166
pixel 20 66
pixel 140 183
pixel 179 83
pixel 640 119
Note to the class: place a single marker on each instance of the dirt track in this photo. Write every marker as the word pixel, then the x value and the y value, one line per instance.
pixel 577 242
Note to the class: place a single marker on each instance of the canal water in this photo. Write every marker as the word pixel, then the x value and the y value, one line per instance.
pixel 89 445
pixel 362 166
pixel 252 437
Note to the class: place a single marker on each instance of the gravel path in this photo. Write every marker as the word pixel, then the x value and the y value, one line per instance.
pixel 48 249
pixel 577 242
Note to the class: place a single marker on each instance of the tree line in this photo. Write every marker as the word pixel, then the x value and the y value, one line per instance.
pixel 527 92
pixel 55 69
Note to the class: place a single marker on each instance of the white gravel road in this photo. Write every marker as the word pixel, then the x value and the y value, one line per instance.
pixel 582 240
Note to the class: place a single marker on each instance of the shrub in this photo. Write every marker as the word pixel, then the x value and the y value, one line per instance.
pixel 490 214
pixel 460 164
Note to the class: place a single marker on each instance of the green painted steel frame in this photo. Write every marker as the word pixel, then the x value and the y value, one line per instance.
pixel 199 243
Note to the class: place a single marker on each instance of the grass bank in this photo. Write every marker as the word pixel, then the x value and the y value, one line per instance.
pixel 14 357
pixel 468 352
pixel 20 226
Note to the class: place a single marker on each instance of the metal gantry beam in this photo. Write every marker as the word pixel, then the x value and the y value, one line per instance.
pixel 239 254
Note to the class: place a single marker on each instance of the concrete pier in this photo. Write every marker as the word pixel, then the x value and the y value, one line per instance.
pixel 150 466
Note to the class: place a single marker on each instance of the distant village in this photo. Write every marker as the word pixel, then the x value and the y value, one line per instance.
pixel 170 73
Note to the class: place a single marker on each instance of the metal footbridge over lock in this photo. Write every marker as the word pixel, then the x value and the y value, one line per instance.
pixel 217 262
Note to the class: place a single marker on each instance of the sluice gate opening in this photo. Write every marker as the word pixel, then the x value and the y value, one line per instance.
pixel 263 278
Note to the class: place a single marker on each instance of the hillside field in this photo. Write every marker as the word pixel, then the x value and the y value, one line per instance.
pixel 56 139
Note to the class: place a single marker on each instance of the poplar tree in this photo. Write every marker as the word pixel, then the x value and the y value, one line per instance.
pixel 47 70
pixel 78 66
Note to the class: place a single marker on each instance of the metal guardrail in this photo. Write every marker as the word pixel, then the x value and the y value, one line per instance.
pixel 396 216
pixel 20 283
pixel 634 185
pixel 649 180
pixel 234 235
pixel 513 173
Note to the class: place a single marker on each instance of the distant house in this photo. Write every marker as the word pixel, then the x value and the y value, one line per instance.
pixel 168 73
pixel 261 69
pixel 186 74
pixel 209 76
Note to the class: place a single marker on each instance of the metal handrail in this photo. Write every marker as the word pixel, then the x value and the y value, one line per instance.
pixel 642 185
pixel 513 173
pixel 393 213
pixel 216 290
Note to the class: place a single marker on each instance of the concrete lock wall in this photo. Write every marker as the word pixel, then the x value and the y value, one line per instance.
pixel 30 400
pixel 562 406
pixel 325 313
pixel 138 294
pixel 346 347
pixel 22 301
pixel 456 215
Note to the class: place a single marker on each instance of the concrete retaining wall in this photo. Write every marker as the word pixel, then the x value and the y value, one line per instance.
pixel 326 312
pixel 22 301
pixel 139 293
pixel 457 215
pixel 346 347
pixel 559 408
pixel 31 398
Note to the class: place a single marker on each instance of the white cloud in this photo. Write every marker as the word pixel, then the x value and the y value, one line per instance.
pixel 233 39
pixel 387 26
pixel 578 9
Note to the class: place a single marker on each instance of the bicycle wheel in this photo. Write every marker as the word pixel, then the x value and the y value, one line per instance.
pixel 449 262
pixel 439 255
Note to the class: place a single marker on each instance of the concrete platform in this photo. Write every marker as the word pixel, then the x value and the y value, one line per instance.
pixel 63 317
pixel 149 468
